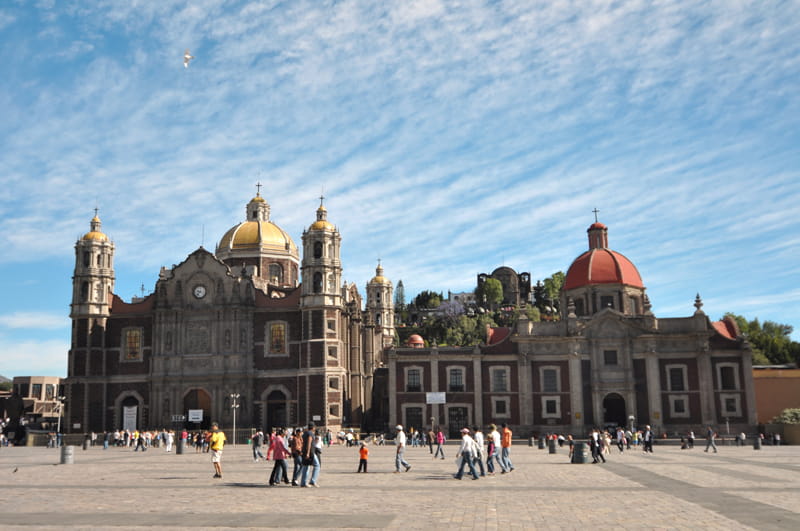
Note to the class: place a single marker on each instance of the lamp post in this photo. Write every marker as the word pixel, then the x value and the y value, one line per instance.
pixel 234 405
pixel 60 410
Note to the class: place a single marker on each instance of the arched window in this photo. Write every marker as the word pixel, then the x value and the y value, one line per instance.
pixel 317 249
pixel 276 274
pixel 85 291
pixel 317 282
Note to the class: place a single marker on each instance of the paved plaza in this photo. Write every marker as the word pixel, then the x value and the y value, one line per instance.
pixel 738 488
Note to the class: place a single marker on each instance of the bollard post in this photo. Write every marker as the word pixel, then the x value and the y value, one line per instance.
pixel 551 446
pixel 757 443
pixel 67 455
pixel 579 453
pixel 541 443
pixel 179 448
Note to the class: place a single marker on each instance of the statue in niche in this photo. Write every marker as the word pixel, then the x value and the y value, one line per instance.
pixel 227 339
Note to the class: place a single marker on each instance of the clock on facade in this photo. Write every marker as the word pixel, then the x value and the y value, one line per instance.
pixel 199 291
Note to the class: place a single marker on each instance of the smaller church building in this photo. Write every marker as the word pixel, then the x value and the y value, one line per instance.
pixel 608 362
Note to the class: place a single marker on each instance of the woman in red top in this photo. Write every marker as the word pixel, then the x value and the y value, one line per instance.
pixel 279 452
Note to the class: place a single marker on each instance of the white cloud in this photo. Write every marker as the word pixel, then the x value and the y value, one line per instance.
pixel 33 358
pixel 34 321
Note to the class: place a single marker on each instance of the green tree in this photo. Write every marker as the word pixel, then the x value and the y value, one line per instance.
pixel 428 299
pixel 490 293
pixel 788 416
pixel 399 297
pixel 771 342
pixel 6 386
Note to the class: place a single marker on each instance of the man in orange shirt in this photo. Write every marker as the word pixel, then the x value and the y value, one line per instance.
pixel 363 454
pixel 505 442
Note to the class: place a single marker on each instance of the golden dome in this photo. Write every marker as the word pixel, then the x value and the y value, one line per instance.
pixel 257 235
pixel 258 199
pixel 379 278
pixel 95 236
pixel 322 225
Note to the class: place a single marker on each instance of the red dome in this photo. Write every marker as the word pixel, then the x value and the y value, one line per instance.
pixel 602 266
pixel 415 340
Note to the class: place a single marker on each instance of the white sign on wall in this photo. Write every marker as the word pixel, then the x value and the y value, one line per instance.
pixel 435 398
pixel 129 417
pixel 195 415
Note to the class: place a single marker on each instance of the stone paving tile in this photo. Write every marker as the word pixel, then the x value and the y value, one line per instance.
pixel 671 489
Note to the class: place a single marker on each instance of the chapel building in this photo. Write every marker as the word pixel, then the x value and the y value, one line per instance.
pixel 608 362
pixel 254 329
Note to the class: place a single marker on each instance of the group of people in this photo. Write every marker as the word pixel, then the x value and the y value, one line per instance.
pixel 303 447
pixel 493 449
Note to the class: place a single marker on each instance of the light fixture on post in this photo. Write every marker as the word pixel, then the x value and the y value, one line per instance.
pixel 234 405
pixel 60 407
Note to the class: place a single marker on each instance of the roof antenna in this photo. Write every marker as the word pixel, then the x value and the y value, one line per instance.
pixel 202 234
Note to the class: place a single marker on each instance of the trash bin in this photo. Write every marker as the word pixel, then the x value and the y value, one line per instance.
pixel 86 444
pixel 551 446
pixel 530 441
pixel 179 448
pixel 580 453
pixel 541 443
pixel 67 455
pixel 757 443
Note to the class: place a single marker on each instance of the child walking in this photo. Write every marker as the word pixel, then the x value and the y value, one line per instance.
pixel 363 453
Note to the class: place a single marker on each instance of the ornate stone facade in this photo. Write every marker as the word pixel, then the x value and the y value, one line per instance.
pixel 234 322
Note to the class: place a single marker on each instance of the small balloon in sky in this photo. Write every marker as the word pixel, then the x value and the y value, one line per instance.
pixel 186 58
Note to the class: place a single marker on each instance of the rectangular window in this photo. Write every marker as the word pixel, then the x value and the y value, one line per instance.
pixel 550 407
pixel 133 344
pixel 49 392
pixel 413 384
pixel 277 338
pixel 727 378
pixel 456 380
pixel 332 325
pixel 333 352
pixel 36 391
pixel 549 380
pixel 679 406
pixel 606 301
pixel 610 357
pixel 333 383
pixel 414 418
pixel 676 382
pixel 333 410
pixel 730 405
pixel 500 408
pixel 500 380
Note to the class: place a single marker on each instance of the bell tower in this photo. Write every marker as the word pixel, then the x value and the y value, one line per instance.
pixel 93 279
pixel 324 326
pixel 380 305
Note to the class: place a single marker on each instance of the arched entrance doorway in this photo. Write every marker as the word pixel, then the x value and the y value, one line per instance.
pixel 198 399
pixel 614 410
pixel 277 410
pixel 129 413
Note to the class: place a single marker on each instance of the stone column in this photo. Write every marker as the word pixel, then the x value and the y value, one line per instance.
pixel 392 388
pixel 576 391
pixel 436 409
pixel 524 395
pixel 749 389
pixel 705 377
pixel 478 388
pixel 653 390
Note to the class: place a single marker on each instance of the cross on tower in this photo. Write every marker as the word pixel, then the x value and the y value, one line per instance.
pixel 595 214
pixel 258 188
pixel 95 211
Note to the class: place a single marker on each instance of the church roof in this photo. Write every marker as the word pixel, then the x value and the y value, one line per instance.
pixel 602 266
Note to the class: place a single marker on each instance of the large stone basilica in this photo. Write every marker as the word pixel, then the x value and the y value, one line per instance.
pixel 253 329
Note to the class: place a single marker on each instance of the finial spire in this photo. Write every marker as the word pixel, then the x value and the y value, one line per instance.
pixel 595 214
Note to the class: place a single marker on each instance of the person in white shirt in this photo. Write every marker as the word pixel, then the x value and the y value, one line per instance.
pixel 467 453
pixel 478 459
pixel 400 441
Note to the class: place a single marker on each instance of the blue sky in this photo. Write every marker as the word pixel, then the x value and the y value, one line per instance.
pixel 449 138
